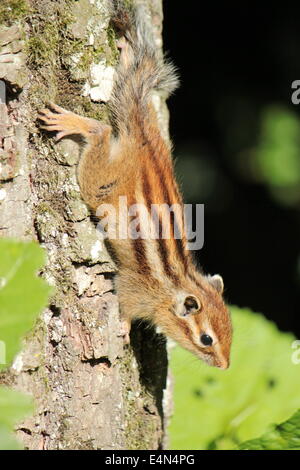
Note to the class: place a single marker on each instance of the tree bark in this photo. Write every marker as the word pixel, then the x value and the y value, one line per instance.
pixel 90 391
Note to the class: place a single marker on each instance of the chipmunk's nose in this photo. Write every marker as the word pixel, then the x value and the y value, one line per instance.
pixel 223 363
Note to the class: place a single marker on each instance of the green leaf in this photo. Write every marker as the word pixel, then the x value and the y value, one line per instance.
pixel 7 441
pixel 285 436
pixel 22 294
pixel 22 297
pixel 217 409
pixel 13 407
pixel 278 149
pixel 276 158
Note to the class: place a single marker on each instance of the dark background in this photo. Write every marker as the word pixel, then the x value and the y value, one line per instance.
pixel 236 62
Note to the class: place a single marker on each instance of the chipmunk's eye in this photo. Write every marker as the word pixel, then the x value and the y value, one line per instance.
pixel 191 304
pixel 206 340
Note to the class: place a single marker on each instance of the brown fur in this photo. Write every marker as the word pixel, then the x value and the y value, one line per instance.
pixel 131 158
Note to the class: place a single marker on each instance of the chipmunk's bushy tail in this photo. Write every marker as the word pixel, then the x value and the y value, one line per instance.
pixel 141 69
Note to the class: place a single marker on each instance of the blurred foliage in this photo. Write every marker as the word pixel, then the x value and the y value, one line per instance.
pixel 285 436
pixel 200 179
pixel 217 409
pixel 22 296
pixel 197 175
pixel 276 159
pixel 22 293
pixel 13 407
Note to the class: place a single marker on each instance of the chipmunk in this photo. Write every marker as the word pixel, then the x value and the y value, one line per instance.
pixel 157 279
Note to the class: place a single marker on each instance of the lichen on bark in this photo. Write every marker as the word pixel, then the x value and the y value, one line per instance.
pixel 90 391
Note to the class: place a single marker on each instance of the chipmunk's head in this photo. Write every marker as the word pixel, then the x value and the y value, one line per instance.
pixel 201 321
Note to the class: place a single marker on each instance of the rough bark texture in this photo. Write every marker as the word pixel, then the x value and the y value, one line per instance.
pixel 90 392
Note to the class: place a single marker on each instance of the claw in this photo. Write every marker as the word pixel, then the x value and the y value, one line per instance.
pixel 47 120
pixel 44 111
pixel 57 108
pixel 51 127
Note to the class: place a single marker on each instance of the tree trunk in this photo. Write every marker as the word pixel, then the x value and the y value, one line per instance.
pixel 90 391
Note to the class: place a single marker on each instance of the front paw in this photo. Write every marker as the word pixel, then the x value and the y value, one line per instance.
pixel 60 121
pixel 67 123
pixel 125 331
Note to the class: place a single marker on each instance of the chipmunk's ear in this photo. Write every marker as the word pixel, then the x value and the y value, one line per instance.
pixel 217 282
pixel 187 305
